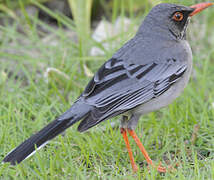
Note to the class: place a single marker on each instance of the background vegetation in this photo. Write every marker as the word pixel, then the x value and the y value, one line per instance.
pixel 32 94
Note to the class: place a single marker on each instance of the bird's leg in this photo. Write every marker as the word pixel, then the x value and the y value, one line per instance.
pixel 125 137
pixel 145 154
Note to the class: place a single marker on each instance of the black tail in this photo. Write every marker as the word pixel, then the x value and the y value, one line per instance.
pixel 38 140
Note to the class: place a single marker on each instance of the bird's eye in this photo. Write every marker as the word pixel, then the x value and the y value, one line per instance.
pixel 178 16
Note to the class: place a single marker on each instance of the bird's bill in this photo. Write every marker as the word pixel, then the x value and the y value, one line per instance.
pixel 200 7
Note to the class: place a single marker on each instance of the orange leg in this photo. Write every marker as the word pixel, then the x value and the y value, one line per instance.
pixel 145 154
pixel 125 137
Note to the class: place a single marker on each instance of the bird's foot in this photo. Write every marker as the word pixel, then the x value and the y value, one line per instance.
pixel 163 169
pixel 159 168
pixel 134 168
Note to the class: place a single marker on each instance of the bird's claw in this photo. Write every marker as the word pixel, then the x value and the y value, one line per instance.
pixel 160 168
pixel 135 169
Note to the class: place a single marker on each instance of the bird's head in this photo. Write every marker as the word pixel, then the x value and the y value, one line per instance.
pixel 171 18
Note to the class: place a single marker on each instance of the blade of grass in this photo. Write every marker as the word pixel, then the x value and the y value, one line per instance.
pixel 81 11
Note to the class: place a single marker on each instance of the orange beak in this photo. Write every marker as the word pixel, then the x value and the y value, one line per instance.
pixel 200 7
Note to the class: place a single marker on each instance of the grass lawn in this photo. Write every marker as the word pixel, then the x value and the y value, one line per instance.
pixel 183 133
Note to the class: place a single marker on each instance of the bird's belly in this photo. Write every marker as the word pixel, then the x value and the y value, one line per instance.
pixel 163 100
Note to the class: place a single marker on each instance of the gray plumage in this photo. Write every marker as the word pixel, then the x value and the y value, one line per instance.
pixel 146 74
pixel 142 70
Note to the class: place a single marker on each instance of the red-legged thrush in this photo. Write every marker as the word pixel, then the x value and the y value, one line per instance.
pixel 144 75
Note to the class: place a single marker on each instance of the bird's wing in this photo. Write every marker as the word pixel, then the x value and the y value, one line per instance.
pixel 119 86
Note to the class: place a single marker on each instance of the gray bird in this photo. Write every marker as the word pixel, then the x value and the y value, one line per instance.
pixel 146 74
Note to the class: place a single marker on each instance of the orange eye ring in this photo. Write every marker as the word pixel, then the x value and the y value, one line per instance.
pixel 178 16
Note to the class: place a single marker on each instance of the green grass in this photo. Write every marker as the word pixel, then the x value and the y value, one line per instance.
pixel 28 102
